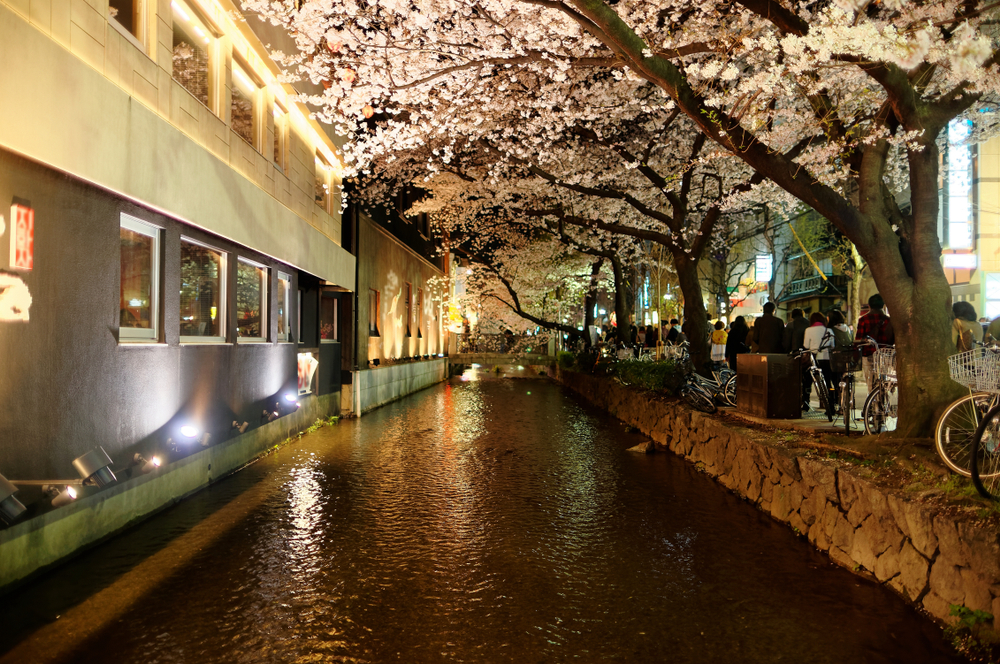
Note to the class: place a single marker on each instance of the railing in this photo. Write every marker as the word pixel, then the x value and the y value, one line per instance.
pixel 812 284
pixel 499 343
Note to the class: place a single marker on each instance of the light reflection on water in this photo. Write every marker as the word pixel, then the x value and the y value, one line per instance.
pixel 476 522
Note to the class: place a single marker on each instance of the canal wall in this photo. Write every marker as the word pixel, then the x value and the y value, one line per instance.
pixel 29 547
pixel 376 387
pixel 929 558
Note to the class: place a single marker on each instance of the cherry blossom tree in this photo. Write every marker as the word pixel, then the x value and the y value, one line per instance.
pixel 841 104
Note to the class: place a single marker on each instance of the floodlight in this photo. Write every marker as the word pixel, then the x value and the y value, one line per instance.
pixel 63 497
pixel 95 465
pixel 189 431
pixel 146 465
pixel 10 507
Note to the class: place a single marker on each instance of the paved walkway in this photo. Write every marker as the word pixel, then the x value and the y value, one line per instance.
pixel 815 419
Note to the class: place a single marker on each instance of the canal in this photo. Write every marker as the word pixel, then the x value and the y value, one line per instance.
pixel 482 520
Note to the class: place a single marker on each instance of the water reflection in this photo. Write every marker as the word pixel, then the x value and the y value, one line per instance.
pixel 490 520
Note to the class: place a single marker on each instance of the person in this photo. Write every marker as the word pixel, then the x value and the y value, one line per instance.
pixel 842 338
pixel 769 331
pixel 737 341
pixel 965 322
pixel 651 336
pixel 795 330
pixel 633 335
pixel 675 329
pixel 874 324
pixel 818 339
pixel 719 337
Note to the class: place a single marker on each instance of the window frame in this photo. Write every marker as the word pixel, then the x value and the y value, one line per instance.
pixel 142 18
pixel 409 310
pixel 323 169
pixel 130 335
pixel 281 122
pixel 420 313
pixel 223 309
pixel 265 317
pixel 373 316
pixel 198 20
pixel 287 316
pixel 255 101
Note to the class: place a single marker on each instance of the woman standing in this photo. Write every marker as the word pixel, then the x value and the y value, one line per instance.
pixel 736 343
pixel 820 340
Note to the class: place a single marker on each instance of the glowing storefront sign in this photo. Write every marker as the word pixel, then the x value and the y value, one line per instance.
pixel 22 237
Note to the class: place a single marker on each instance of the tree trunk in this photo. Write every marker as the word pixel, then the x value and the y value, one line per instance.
pixel 695 316
pixel 589 300
pixel 622 313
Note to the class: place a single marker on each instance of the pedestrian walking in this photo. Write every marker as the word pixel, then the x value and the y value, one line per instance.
pixel 818 339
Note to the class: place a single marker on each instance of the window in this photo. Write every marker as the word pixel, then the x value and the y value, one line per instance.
pixel 138 311
pixel 373 302
pixel 244 105
pixel 203 296
pixel 127 16
pixel 192 44
pixel 328 314
pixel 322 182
pixel 284 318
pixel 251 301
pixel 280 135
pixel 959 184
pixel 409 308
pixel 420 312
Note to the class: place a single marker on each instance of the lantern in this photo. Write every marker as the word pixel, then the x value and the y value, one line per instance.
pixel 368 111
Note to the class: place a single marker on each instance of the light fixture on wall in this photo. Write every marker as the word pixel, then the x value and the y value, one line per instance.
pixel 10 507
pixel 60 497
pixel 270 415
pixel 293 400
pixel 145 465
pixel 192 433
pixel 242 428
pixel 95 466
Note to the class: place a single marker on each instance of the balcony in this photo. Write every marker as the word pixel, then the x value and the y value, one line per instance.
pixel 835 285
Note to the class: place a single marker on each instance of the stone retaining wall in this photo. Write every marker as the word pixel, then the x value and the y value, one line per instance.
pixel 930 559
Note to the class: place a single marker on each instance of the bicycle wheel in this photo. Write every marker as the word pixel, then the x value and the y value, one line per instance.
pixel 697 399
pixel 847 402
pixel 984 455
pixel 822 394
pixel 956 429
pixel 880 409
pixel 730 390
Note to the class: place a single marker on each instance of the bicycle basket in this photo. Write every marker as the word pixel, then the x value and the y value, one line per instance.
pixel 977 369
pixel 843 360
pixel 884 362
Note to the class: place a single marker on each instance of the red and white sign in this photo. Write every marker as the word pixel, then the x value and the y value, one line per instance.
pixel 22 237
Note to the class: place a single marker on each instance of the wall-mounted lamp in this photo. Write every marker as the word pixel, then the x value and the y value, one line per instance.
pixel 293 400
pixel 269 415
pixel 242 428
pixel 145 465
pixel 60 497
pixel 10 507
pixel 95 466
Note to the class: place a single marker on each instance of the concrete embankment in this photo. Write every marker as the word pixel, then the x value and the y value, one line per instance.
pixel 929 557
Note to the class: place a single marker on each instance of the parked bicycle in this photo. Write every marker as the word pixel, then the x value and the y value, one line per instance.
pixel 979 369
pixel 882 405
pixel 818 381
pixel 956 428
pixel 847 362
pixel 703 393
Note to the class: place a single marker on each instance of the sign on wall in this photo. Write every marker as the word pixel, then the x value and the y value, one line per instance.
pixel 22 237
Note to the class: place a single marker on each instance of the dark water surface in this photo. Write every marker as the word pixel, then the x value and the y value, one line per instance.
pixel 477 521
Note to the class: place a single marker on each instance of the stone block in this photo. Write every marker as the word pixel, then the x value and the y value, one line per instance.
pixel 914 522
pixel 812 506
pixel 938 607
pixel 861 550
pixel 912 571
pixel 950 543
pixel 977 591
pixel 841 558
pixel 946 581
pixel 887 565
pixel 843 533
pixel 996 613
pixel 816 473
pixel 796 522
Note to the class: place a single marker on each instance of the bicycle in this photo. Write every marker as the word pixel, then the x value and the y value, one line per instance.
pixel 818 381
pixel 702 393
pixel 847 362
pixel 882 405
pixel 957 426
pixel 980 368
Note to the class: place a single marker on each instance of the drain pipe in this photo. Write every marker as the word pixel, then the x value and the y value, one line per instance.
pixel 357 302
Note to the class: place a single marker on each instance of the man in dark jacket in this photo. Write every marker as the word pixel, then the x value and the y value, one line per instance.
pixel 795 331
pixel 769 332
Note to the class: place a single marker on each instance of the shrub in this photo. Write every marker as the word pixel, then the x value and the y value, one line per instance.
pixel 666 376
pixel 566 360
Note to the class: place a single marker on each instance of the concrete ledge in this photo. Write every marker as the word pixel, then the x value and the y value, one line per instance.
pixel 930 558
pixel 29 547
pixel 380 386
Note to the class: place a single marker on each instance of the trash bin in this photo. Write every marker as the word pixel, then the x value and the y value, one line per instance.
pixel 769 385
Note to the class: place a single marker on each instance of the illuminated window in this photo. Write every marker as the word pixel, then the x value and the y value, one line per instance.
pixel 192 44
pixel 328 318
pixel 322 182
pixel 280 135
pixel 409 308
pixel 420 312
pixel 203 296
pixel 959 185
pixel 251 301
pixel 373 302
pixel 138 309
pixel 244 105
pixel 128 17
pixel 284 295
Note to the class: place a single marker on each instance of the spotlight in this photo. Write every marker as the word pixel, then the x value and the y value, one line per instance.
pixel 242 428
pixel 204 439
pixel 189 431
pixel 95 465
pixel 145 465
pixel 60 498
pixel 292 399
pixel 10 507
pixel 269 415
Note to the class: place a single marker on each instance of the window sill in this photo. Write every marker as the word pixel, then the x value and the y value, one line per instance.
pixel 136 343
pixel 207 341
pixel 250 340
pixel 128 35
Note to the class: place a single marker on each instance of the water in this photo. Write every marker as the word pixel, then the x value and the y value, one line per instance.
pixel 478 521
